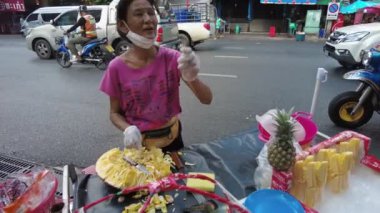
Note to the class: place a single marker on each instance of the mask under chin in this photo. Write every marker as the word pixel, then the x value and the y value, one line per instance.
pixel 139 41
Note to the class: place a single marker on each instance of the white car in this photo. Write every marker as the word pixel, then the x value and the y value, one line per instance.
pixel 43 39
pixel 41 16
pixel 347 44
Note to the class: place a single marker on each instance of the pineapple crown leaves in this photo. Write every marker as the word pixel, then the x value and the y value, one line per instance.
pixel 284 123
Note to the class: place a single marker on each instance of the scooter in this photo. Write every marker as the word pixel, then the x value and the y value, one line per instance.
pixel 96 51
pixel 353 109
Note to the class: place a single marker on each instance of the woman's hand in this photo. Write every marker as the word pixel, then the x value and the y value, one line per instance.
pixel 188 64
pixel 132 137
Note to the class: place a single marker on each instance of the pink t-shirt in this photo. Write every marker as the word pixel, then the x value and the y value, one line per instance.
pixel 149 97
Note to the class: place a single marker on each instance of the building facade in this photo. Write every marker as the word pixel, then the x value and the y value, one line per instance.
pixel 260 15
pixel 11 11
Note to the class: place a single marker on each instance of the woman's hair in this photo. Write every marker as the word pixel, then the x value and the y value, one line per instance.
pixel 122 11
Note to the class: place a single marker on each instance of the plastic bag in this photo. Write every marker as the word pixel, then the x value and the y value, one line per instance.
pixel 33 192
pixel 13 187
pixel 264 172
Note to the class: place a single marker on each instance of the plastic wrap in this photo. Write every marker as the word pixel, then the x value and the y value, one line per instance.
pixel 33 192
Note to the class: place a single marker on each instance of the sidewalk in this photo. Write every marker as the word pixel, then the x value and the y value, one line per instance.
pixel 265 36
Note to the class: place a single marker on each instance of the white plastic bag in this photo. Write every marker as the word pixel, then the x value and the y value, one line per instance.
pixel 264 171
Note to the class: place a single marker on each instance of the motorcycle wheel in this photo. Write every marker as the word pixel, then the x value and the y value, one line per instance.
pixel 107 58
pixel 101 65
pixel 342 105
pixel 63 59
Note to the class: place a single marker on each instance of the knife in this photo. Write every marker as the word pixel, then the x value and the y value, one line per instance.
pixel 135 164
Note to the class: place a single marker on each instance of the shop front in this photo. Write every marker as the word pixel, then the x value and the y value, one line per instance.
pixel 293 13
pixel 10 13
pixel 259 15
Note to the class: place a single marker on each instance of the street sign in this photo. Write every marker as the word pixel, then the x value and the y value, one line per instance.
pixel 332 11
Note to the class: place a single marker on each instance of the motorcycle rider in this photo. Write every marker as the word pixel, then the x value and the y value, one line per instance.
pixel 88 30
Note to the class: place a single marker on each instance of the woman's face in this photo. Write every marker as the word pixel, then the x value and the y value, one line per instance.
pixel 141 18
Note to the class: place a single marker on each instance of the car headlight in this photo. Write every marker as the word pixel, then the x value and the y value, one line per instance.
pixel 354 37
pixel 366 58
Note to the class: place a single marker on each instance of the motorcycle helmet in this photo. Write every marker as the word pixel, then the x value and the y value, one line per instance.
pixel 82 8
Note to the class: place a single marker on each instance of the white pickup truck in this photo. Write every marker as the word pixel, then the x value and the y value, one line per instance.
pixel 43 39
pixel 196 22
pixel 347 44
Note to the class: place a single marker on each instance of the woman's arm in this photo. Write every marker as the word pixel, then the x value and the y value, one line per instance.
pixel 200 90
pixel 115 116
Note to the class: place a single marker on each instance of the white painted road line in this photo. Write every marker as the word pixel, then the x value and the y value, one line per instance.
pixel 218 75
pixel 233 48
pixel 230 56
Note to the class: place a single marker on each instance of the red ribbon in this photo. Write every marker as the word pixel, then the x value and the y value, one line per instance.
pixel 371 162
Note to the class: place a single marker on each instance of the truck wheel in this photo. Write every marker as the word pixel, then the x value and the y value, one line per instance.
pixel 185 40
pixel 342 105
pixel 43 49
pixel 121 47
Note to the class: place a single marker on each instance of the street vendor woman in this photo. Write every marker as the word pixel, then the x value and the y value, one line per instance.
pixel 143 83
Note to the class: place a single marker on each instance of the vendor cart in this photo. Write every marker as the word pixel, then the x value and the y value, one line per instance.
pixel 232 159
pixel 235 173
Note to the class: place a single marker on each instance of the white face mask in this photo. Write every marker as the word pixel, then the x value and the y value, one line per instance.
pixel 137 39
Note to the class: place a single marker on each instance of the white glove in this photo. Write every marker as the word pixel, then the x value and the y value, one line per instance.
pixel 132 137
pixel 188 64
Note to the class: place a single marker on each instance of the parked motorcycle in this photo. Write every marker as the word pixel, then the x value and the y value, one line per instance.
pixel 353 109
pixel 96 51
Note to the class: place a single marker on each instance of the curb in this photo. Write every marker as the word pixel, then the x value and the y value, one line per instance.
pixel 264 36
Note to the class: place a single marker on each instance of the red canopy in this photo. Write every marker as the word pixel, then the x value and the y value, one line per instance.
pixel 373 10
pixel 12 6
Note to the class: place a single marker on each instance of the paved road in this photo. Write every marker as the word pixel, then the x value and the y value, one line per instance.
pixel 58 116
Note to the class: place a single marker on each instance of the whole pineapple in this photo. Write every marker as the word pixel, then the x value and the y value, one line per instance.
pixel 281 153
